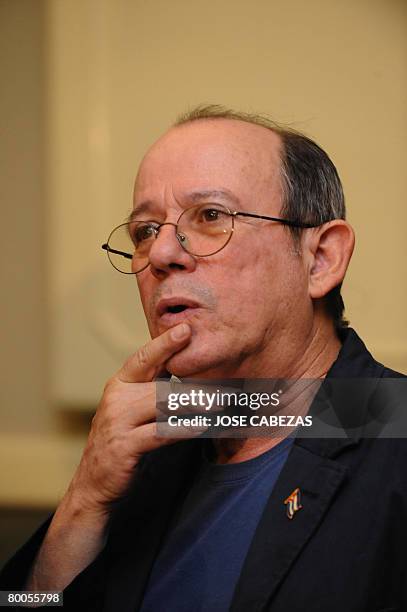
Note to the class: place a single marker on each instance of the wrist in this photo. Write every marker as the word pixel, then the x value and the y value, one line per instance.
pixel 78 508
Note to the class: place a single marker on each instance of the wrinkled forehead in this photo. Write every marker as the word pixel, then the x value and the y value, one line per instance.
pixel 212 154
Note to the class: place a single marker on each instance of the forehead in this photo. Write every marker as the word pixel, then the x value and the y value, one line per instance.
pixel 211 154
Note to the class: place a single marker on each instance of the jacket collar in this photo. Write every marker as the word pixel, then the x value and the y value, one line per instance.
pixel 357 372
pixel 354 360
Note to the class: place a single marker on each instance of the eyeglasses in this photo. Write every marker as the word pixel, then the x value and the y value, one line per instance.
pixel 201 230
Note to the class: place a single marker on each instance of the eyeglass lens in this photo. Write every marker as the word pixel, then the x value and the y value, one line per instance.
pixel 201 230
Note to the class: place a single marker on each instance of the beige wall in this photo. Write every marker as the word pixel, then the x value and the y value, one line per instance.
pixel 87 85
pixel 23 217
pixel 38 447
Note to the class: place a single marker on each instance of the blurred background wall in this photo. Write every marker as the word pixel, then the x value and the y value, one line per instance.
pixel 87 85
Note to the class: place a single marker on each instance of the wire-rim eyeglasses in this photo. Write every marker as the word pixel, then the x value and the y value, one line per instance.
pixel 201 230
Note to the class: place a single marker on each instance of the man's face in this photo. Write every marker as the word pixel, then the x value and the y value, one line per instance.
pixel 248 300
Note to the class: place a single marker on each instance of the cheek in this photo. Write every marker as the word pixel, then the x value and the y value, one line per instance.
pixel 144 293
pixel 243 289
pixel 145 286
pixel 264 284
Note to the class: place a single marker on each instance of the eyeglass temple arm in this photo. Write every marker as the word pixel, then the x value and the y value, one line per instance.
pixel 106 247
pixel 283 221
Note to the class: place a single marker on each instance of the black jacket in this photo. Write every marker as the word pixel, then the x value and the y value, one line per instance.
pixel 345 551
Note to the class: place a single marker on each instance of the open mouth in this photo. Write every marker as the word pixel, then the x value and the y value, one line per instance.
pixel 177 308
pixel 174 309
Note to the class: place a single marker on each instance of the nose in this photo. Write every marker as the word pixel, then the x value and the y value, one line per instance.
pixel 167 255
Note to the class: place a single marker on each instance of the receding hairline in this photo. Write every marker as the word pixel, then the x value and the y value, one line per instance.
pixel 276 147
pixel 217 112
pixel 234 118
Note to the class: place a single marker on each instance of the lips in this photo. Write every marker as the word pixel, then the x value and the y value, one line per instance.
pixel 173 310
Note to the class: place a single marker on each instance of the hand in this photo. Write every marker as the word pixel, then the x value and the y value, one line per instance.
pixel 124 427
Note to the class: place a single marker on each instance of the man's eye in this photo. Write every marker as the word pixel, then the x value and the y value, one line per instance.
pixel 210 214
pixel 142 233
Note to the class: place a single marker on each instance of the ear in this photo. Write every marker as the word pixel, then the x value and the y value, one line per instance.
pixel 329 249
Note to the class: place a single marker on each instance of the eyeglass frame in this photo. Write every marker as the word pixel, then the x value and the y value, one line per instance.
pixel 233 214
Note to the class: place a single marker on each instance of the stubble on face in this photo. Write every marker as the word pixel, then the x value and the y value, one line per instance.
pixel 184 286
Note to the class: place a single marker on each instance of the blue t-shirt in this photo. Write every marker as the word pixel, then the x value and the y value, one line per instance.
pixel 200 562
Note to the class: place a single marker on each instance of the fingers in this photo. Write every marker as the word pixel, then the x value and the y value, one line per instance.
pixel 147 437
pixel 127 404
pixel 145 363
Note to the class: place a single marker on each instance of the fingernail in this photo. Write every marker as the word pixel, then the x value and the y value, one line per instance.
pixel 180 332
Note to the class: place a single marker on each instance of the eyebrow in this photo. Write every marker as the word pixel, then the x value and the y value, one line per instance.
pixel 195 197
pixel 139 210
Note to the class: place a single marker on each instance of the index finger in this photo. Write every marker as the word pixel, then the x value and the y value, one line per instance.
pixel 147 361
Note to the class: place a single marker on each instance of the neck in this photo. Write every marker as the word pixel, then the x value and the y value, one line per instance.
pixel 310 358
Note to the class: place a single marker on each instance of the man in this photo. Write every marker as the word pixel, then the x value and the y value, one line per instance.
pixel 151 523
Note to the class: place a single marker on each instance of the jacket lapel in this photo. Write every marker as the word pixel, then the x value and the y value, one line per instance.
pixel 312 469
pixel 278 540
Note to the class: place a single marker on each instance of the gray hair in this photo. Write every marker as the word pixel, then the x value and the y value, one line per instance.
pixel 312 190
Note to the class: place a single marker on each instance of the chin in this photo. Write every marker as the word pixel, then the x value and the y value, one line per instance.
pixel 190 362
